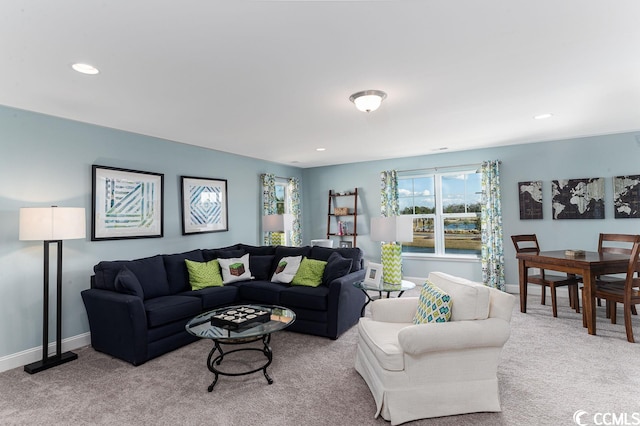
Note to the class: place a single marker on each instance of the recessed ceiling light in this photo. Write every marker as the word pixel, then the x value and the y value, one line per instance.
pixel 85 68
pixel 543 116
pixel 321 149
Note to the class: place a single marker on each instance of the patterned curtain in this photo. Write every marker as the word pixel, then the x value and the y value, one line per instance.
pixel 268 200
pixel 491 218
pixel 389 193
pixel 294 209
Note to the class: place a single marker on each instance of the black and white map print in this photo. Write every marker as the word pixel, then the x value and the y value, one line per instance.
pixel 578 198
pixel 626 196
pixel 530 195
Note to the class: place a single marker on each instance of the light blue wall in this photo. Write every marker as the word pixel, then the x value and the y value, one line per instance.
pixel 47 161
pixel 601 156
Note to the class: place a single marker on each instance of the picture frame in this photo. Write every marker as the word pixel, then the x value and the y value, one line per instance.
pixel 346 244
pixel 126 204
pixel 204 205
pixel 373 277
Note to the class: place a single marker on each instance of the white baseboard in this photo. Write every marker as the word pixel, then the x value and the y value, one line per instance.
pixel 35 354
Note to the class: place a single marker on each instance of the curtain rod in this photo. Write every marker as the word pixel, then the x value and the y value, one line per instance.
pixel 458 166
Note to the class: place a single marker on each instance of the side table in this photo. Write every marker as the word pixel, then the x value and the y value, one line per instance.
pixel 386 287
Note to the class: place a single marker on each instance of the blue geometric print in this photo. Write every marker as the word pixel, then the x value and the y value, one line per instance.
pixel 206 205
pixel 129 204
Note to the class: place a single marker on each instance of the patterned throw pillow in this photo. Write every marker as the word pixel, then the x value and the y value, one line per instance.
pixel 309 273
pixel 235 269
pixel 203 274
pixel 286 269
pixel 434 305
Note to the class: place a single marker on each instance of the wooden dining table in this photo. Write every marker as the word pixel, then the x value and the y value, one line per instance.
pixel 589 266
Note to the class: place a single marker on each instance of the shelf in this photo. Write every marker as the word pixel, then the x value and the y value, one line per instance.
pixel 351 212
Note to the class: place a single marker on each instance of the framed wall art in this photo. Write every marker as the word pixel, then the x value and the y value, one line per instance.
pixel 204 205
pixel 530 196
pixel 126 204
pixel 578 198
pixel 626 196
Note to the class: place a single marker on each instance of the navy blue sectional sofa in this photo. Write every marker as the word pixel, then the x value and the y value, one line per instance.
pixel 138 323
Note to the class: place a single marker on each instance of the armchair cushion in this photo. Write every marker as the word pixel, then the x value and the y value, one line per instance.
pixel 470 300
pixel 382 340
pixel 434 305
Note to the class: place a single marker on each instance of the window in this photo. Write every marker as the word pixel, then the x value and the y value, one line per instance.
pixel 281 196
pixel 446 212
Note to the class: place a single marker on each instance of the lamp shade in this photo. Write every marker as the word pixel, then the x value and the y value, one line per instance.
pixel 52 223
pixel 392 229
pixel 277 222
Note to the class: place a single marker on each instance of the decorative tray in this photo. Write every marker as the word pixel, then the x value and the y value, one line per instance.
pixel 240 316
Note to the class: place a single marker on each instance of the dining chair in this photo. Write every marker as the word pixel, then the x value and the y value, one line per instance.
pixel 618 244
pixel 528 243
pixel 628 295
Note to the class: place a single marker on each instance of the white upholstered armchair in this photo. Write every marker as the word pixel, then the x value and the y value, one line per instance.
pixel 436 369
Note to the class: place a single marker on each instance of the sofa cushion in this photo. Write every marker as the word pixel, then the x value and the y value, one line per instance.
pixel 337 266
pixel 235 269
pixel 309 273
pixel 469 300
pixel 177 273
pixel 126 282
pixel 210 254
pixel 213 297
pixel 382 339
pixel 261 292
pixel 434 305
pixel 286 269
pixel 204 274
pixel 166 309
pixel 354 253
pixel 312 298
pixel 257 250
pixel 261 266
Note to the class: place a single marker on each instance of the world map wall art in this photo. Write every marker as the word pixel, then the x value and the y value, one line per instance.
pixel 126 204
pixel 626 196
pixel 578 198
pixel 530 196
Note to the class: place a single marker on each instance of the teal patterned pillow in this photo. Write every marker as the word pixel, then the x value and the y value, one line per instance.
pixel 434 305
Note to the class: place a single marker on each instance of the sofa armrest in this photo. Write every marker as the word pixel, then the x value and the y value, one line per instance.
pixel 345 302
pixel 118 324
pixel 400 309
pixel 454 335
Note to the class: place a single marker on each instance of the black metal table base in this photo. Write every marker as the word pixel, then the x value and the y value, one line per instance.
pixel 213 362
pixel 371 299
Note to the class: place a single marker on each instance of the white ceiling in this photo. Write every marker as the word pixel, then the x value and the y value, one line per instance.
pixel 271 79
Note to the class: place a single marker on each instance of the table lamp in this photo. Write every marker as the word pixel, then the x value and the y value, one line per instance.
pixel 52 225
pixel 392 230
pixel 280 224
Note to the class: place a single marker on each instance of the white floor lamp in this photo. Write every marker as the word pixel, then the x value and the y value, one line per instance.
pixel 51 225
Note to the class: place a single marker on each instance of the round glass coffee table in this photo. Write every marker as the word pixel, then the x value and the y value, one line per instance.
pixel 386 288
pixel 237 325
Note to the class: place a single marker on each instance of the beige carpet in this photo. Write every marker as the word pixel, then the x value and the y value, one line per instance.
pixel 550 369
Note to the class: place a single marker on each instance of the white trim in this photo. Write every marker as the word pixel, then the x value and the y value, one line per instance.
pixel 441 258
pixel 28 356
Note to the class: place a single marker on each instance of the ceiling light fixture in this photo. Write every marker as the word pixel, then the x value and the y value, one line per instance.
pixel 368 100
pixel 543 116
pixel 85 68
pixel 321 149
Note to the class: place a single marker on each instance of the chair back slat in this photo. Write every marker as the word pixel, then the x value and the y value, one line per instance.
pixel 526 243
pixel 616 243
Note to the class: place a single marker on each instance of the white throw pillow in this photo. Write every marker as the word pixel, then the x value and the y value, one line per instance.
pixel 235 269
pixel 286 269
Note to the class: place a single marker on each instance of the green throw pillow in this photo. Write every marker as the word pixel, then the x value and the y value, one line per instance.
pixel 204 274
pixel 434 305
pixel 309 273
